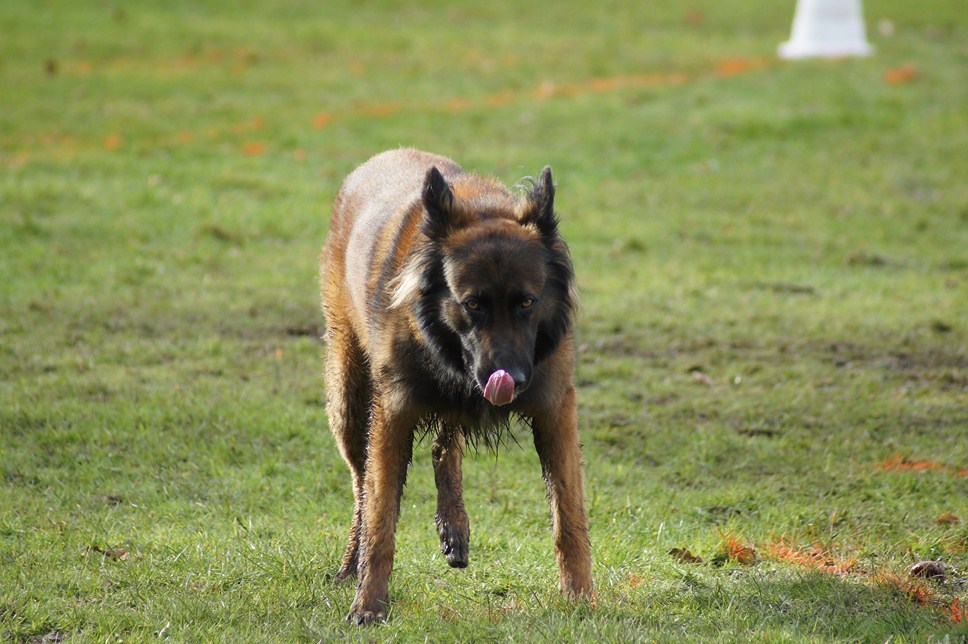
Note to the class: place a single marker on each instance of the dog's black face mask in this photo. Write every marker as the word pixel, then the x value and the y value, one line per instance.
pixel 497 284
pixel 503 283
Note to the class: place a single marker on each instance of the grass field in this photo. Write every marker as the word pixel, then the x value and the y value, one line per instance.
pixel 773 259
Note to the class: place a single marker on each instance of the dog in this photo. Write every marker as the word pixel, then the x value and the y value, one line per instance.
pixel 449 304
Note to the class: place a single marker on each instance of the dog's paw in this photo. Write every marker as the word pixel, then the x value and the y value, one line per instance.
pixel 364 617
pixel 576 589
pixel 454 544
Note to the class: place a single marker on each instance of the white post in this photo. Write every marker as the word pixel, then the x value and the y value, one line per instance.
pixel 827 28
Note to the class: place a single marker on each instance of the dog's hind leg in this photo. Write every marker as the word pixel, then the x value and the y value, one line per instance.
pixel 556 441
pixel 452 523
pixel 349 390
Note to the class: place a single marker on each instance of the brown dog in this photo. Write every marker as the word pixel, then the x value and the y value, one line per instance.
pixel 448 304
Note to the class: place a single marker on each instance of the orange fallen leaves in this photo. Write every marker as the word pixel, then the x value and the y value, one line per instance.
pixel 112 142
pixel 916 590
pixel 735 549
pixel 254 148
pixel 547 89
pixel 733 66
pixel 957 614
pixel 900 463
pixel 903 74
pixel 814 557
pixel 913 585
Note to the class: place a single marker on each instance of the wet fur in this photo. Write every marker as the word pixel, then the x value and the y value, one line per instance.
pixel 433 278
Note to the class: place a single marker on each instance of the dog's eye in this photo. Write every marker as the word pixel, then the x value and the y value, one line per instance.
pixel 472 305
pixel 527 303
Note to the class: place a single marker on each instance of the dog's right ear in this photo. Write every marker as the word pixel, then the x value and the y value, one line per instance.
pixel 438 201
pixel 540 206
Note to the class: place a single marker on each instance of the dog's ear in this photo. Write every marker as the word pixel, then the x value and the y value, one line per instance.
pixel 438 201
pixel 540 209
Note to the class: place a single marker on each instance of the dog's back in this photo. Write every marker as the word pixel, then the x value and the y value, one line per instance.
pixel 377 212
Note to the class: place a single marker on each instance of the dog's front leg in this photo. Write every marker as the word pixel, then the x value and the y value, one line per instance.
pixel 453 526
pixel 388 455
pixel 556 440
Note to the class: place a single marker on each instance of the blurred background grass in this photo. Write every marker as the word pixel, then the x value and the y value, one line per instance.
pixel 773 269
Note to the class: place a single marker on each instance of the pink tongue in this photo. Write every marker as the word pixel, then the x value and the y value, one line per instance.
pixel 500 388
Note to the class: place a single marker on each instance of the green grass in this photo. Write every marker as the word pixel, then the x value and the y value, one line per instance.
pixel 774 271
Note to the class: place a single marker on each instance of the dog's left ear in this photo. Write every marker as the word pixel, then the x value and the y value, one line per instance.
pixel 540 209
pixel 438 202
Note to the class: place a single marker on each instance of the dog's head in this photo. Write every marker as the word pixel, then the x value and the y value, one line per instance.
pixel 500 280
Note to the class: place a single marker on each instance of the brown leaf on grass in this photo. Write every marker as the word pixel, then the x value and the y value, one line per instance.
pixel 903 74
pixel 322 119
pixel 118 554
pixel 700 378
pixel 112 142
pixel 928 570
pixel 684 556
pixel 695 16
pixel 948 518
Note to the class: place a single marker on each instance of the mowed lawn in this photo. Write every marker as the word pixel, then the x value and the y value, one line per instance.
pixel 773 360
